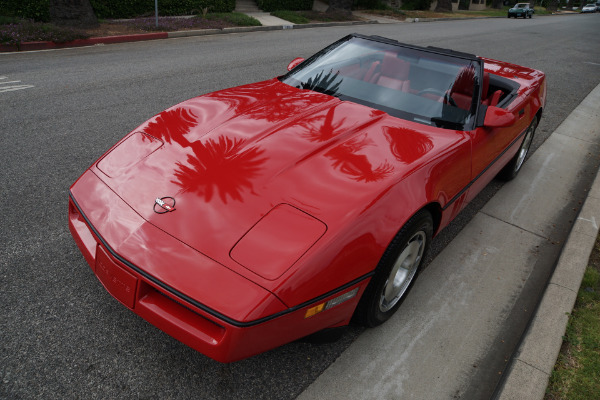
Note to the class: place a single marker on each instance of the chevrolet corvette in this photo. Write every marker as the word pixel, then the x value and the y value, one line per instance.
pixel 250 217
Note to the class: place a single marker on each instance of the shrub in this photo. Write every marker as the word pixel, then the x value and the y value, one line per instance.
pixel 133 8
pixel 371 5
pixel 170 24
pixel 416 5
pixel 293 5
pixel 38 10
pixel 28 31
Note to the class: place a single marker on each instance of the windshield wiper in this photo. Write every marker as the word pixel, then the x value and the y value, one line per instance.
pixel 443 123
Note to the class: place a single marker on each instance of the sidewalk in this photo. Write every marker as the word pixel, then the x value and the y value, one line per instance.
pixel 484 267
pixel 250 8
pixel 534 361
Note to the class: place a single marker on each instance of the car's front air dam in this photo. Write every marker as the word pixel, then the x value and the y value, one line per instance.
pixel 181 291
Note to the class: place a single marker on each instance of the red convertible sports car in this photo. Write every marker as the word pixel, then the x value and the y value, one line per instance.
pixel 250 217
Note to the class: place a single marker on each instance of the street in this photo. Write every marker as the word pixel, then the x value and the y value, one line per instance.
pixel 62 335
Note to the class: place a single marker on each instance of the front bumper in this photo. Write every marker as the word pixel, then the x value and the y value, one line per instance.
pixel 119 247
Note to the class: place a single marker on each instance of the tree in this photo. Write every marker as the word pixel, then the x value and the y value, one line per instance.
pixel 340 6
pixel 77 13
pixel 497 4
pixel 444 6
pixel 552 5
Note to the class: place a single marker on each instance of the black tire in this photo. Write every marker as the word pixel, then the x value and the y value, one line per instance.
pixel 401 261
pixel 511 170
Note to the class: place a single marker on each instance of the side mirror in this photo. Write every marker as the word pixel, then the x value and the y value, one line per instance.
pixel 496 117
pixel 295 62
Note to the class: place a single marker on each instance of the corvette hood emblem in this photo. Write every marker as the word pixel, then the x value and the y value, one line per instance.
pixel 164 205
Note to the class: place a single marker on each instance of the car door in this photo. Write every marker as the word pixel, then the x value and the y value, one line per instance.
pixel 492 148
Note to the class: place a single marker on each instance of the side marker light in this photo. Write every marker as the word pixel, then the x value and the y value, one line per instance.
pixel 331 303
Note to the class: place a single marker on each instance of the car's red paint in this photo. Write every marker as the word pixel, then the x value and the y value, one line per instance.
pixel 283 196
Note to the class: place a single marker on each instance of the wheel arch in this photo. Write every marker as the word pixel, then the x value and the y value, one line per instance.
pixel 435 209
pixel 538 114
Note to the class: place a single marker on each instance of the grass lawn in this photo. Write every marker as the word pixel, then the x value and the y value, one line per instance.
pixel 305 17
pixel 576 375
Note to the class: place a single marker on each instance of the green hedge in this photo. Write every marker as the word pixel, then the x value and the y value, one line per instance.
pixel 416 5
pixel 293 5
pixel 135 8
pixel 38 10
pixel 370 5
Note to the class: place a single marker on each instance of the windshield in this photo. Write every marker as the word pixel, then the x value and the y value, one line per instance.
pixel 413 84
pixel 521 5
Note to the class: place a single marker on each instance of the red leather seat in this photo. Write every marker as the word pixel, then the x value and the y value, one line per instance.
pixel 462 90
pixel 394 73
pixel 370 75
pixel 494 98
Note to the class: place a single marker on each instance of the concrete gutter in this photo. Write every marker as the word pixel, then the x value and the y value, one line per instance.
pixel 533 363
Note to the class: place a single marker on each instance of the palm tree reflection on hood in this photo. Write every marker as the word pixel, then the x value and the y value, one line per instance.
pixel 407 145
pixel 223 165
pixel 327 130
pixel 355 165
pixel 172 125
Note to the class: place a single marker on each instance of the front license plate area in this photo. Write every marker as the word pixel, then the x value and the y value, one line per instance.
pixel 120 283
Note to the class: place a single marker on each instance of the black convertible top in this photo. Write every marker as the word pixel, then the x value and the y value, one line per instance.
pixel 430 49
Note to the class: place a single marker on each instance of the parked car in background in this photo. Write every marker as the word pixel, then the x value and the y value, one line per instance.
pixel 589 8
pixel 520 10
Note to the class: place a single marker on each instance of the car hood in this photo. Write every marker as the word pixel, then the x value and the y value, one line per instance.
pixel 265 151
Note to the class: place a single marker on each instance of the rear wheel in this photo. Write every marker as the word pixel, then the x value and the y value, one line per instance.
pixel 396 271
pixel 511 169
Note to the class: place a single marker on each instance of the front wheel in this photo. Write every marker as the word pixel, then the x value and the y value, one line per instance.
pixel 513 167
pixel 396 271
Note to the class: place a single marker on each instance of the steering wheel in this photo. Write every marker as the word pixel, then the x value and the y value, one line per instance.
pixel 432 91
pixel 446 96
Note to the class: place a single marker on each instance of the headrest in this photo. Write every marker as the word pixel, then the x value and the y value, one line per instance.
pixel 394 67
pixel 465 81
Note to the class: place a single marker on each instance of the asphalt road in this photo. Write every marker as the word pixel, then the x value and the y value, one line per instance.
pixel 61 334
